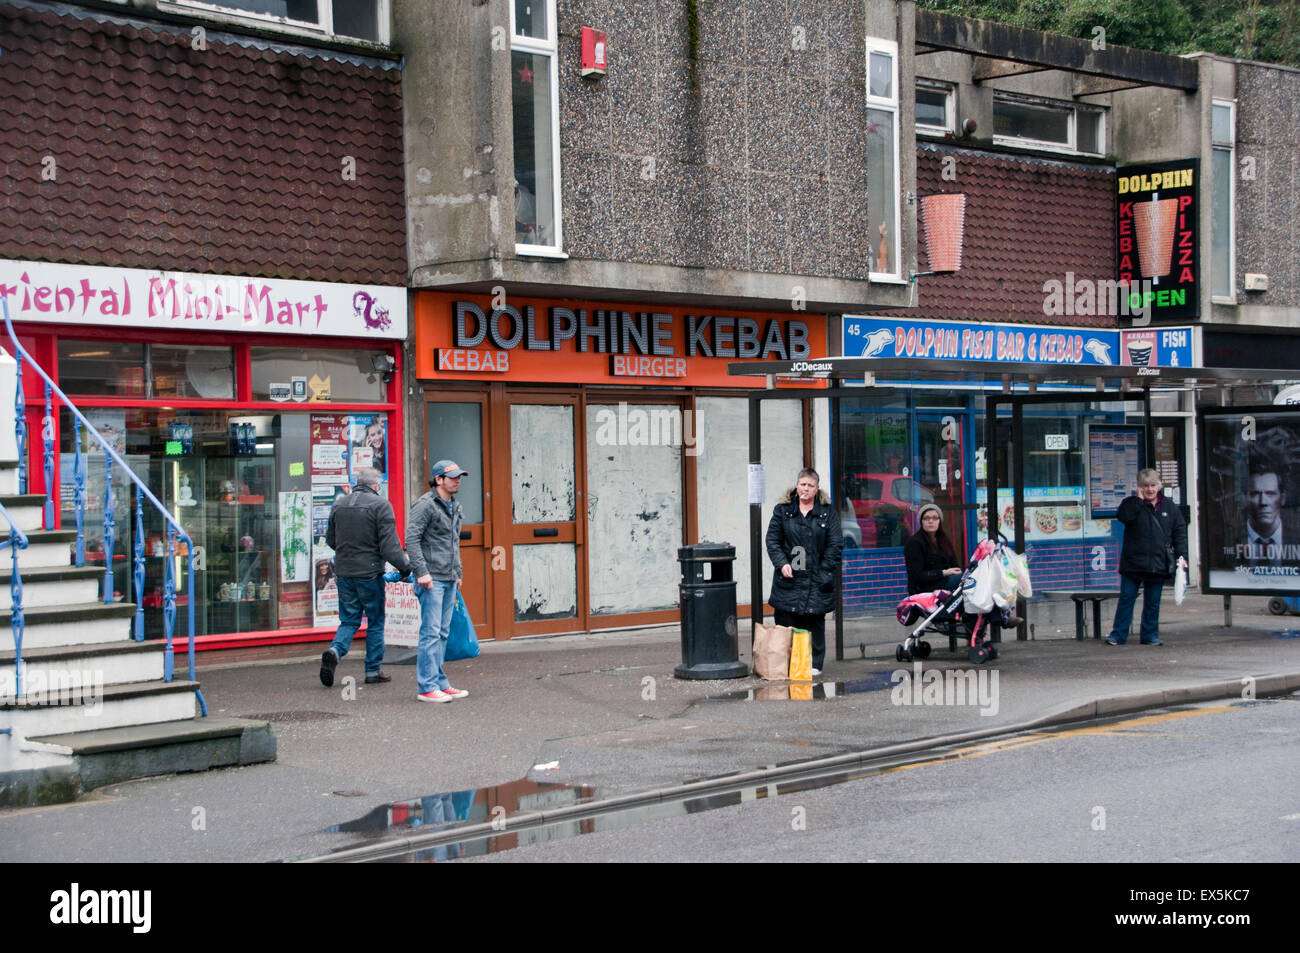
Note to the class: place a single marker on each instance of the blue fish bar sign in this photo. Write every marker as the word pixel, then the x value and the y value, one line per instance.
pixel 1013 343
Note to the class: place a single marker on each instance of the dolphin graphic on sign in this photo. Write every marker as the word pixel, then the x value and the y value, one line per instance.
pixel 876 342
pixel 1100 350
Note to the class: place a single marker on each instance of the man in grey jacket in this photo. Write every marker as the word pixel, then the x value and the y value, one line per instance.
pixel 433 538
pixel 363 533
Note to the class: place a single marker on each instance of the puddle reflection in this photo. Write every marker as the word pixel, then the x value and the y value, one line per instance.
pixel 807 691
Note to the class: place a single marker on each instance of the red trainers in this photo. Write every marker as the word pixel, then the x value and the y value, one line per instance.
pixel 434 696
pixel 455 692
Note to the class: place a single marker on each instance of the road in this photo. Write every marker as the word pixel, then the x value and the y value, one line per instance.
pixel 1209 783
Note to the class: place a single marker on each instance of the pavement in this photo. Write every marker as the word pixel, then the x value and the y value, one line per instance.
pixel 603 713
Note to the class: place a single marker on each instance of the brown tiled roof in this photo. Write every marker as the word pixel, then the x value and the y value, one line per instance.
pixel 1028 221
pixel 227 160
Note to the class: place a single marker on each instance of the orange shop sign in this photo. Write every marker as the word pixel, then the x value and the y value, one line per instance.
pixel 479 337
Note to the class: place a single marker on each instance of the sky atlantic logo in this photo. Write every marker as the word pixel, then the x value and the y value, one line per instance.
pixel 102 907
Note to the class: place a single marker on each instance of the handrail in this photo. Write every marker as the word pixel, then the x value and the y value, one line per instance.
pixel 141 492
pixel 17 540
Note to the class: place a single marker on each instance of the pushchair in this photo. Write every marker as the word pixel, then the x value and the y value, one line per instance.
pixel 985 595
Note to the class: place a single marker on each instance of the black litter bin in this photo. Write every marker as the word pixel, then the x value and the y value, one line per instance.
pixel 709 613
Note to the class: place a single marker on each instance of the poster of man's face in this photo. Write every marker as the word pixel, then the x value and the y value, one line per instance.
pixel 1251 513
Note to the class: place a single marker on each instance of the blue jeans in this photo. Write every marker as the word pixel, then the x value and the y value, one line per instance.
pixel 1128 593
pixel 360 595
pixel 436 607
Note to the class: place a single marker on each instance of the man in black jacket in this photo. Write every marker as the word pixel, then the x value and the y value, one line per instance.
pixel 363 533
pixel 1155 544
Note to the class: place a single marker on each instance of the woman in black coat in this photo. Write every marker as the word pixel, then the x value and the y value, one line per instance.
pixel 930 557
pixel 1155 544
pixel 804 541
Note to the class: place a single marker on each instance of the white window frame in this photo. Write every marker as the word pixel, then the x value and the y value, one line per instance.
pixel 949 108
pixel 1230 147
pixel 548 47
pixel 1045 145
pixel 324 27
pixel 889 104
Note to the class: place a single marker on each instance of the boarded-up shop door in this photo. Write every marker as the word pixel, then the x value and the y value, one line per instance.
pixel 543 516
pixel 455 429
pixel 636 453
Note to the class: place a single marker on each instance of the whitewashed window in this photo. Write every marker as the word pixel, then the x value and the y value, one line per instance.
pixel 356 19
pixel 1223 136
pixel 882 160
pixel 535 97
pixel 1040 124
pixel 935 110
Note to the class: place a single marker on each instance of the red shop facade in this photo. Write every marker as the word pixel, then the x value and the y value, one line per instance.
pixel 244 403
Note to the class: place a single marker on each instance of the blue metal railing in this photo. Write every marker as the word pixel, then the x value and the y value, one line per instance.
pixel 17 540
pixel 142 493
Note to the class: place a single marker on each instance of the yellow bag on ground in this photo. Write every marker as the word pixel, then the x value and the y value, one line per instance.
pixel 771 651
pixel 801 656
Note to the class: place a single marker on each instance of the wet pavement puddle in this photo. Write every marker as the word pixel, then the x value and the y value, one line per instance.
pixel 808 691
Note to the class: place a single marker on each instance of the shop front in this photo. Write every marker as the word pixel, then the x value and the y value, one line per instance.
pixel 600 438
pixel 246 405
pixel 928 442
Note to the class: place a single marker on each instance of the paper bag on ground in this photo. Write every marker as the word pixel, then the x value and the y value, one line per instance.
pixel 771 651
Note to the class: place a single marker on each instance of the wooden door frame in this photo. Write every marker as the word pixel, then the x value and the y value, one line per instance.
pixel 505 396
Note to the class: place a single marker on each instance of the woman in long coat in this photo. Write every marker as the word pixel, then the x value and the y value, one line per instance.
pixel 804 542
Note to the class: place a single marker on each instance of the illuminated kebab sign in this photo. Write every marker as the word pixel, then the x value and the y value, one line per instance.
pixel 1156 237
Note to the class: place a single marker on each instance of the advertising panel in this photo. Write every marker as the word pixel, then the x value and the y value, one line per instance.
pixel 1250 458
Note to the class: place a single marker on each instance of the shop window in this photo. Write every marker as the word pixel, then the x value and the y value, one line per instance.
pixel 882 159
pixel 875 479
pixel 253 491
pixel 149 371
pixel 934 108
pixel 359 19
pixel 1223 244
pixel 536 128
pixel 1039 124
pixel 318 375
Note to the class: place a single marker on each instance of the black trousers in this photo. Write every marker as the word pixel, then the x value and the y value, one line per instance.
pixel 816 626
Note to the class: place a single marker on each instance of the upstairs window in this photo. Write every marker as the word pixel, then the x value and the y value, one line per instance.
pixel 1058 127
pixel 935 112
pixel 882 160
pixel 534 96
pixel 1223 135
pixel 354 19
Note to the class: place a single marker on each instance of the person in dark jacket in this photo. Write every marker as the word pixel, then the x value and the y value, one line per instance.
pixel 362 532
pixel 1155 545
pixel 804 541
pixel 930 557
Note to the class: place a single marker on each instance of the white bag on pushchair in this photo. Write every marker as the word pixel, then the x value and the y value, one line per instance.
pixel 980 586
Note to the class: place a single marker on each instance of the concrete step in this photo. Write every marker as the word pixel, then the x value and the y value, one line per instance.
pixel 74 669
pixel 27 510
pixel 78 624
pixel 114 755
pixel 46 547
pixel 116 706
pixel 50 585
pixel 8 474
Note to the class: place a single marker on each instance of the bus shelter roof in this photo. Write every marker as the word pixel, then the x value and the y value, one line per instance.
pixel 917 370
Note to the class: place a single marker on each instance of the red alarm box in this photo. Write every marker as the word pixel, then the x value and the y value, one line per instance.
pixel 593 52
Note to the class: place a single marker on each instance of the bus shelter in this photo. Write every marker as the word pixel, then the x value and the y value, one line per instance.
pixel 1071 542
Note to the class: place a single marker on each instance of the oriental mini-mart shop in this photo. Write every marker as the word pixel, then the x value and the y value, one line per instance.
pixel 245 404
pixel 600 437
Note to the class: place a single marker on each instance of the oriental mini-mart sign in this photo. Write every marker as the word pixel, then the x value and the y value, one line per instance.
pixel 525 339
pixel 178 301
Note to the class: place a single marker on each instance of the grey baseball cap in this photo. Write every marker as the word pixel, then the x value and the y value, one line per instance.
pixel 446 468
